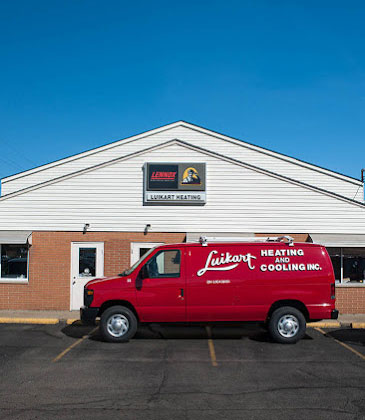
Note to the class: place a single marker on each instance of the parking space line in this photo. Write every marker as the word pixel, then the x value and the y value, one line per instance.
pixel 343 344
pixel 80 340
pixel 211 346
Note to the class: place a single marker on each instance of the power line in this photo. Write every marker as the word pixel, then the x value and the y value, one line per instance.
pixel 17 151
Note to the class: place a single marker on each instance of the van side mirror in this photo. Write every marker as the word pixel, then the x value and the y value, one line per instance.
pixel 143 274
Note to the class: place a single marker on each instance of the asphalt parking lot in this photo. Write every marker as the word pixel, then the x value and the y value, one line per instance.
pixel 179 372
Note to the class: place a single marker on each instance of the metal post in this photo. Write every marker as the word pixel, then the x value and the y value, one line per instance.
pixel 341 280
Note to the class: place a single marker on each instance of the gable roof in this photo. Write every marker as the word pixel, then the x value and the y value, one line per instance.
pixel 195 128
pixel 192 147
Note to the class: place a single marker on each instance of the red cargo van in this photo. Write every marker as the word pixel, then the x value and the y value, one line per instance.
pixel 276 281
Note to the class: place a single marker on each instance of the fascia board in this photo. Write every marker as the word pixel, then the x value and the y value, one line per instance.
pixel 90 152
pixel 277 155
pixel 192 147
pixel 195 128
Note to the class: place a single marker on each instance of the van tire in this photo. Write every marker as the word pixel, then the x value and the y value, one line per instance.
pixel 118 324
pixel 287 325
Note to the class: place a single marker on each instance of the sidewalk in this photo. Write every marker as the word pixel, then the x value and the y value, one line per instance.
pixel 344 320
pixel 38 317
pixel 54 317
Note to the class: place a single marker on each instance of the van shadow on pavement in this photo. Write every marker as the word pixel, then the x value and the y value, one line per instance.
pixel 77 330
pixel 349 336
pixel 253 332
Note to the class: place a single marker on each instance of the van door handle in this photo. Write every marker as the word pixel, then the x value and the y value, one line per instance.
pixel 181 296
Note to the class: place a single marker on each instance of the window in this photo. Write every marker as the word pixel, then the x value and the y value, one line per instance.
pixel 353 265
pixel 14 262
pixel 335 254
pixel 87 262
pixel 348 264
pixel 164 264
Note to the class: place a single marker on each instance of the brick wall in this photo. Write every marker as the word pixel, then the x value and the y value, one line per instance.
pixel 50 263
pixel 49 269
pixel 350 300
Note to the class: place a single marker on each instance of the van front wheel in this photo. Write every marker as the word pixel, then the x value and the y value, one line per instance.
pixel 287 325
pixel 118 324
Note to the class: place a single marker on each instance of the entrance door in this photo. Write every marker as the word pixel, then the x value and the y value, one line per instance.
pixel 87 263
pixel 138 249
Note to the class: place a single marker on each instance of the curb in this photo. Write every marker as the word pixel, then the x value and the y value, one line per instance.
pixel 71 321
pixel 358 325
pixel 29 321
pixel 325 324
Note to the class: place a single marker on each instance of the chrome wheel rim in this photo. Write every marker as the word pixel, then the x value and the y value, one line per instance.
pixel 288 326
pixel 117 325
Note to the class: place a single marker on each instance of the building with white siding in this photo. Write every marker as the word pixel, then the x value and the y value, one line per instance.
pixel 94 213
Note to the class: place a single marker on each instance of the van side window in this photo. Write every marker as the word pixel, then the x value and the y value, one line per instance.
pixel 164 264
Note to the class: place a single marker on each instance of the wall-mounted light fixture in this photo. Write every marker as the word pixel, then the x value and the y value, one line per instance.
pixel 86 227
pixel 148 226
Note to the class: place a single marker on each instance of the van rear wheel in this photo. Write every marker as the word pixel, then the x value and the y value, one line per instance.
pixel 287 325
pixel 118 324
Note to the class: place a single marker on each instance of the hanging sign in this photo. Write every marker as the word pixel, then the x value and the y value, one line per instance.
pixel 174 183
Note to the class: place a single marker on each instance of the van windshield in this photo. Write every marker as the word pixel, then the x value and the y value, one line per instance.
pixel 135 265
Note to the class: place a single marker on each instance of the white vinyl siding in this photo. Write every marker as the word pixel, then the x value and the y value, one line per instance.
pixel 253 155
pixel 238 200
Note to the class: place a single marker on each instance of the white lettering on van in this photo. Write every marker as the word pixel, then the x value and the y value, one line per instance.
pixel 282 260
pixel 313 267
pixel 218 281
pixel 212 264
pixel 282 252
pixel 290 267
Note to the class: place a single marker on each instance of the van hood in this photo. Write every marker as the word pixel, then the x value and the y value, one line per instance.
pixel 120 281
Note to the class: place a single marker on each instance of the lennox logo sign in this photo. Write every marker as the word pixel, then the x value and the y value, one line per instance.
pixel 165 176
pixel 174 183
pixel 225 262
pixel 162 177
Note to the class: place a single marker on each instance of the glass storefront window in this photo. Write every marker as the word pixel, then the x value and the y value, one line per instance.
pixel 14 261
pixel 353 265
pixel 335 254
pixel 348 264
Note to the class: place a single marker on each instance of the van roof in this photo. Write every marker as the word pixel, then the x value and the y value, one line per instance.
pixel 266 244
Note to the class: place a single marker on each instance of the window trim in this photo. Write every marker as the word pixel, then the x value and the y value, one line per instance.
pixel 17 280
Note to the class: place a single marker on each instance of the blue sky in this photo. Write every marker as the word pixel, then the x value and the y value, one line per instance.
pixel 286 75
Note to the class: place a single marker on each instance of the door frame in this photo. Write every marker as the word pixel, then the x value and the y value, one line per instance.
pixel 135 246
pixel 86 244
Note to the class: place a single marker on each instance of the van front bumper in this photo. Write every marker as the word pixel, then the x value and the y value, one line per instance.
pixel 88 315
pixel 334 314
